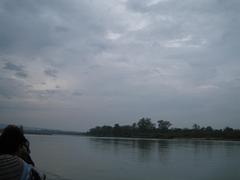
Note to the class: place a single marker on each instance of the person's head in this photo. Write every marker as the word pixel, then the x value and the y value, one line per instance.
pixel 11 139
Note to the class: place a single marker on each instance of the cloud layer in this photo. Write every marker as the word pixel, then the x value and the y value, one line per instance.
pixel 76 64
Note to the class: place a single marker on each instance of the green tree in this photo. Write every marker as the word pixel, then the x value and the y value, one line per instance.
pixel 134 125
pixel 145 124
pixel 163 125
pixel 196 127
pixel 209 129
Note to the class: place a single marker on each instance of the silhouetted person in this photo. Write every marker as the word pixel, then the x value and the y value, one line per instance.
pixel 15 160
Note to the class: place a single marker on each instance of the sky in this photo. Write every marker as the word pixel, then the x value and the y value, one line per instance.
pixel 73 65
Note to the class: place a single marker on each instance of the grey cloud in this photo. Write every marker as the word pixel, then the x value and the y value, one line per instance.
pixel 45 93
pixel 28 27
pixel 11 88
pixel 58 96
pixel 21 74
pixel 77 93
pixel 13 67
pixel 18 69
pixel 32 27
pixel 171 59
pixel 61 29
pixel 16 34
pixel 51 72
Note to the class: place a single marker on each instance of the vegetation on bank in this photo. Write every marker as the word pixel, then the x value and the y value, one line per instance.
pixel 145 128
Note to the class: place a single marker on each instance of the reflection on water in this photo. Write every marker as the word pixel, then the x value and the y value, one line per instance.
pixel 87 158
pixel 144 149
pixel 163 150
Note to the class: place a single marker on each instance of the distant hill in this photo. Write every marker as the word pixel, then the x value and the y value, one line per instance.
pixel 44 131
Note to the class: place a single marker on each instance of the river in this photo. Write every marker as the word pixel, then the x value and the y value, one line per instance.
pixel 88 158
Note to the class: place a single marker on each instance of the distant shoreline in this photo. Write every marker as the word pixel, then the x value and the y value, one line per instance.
pixel 149 138
pixel 49 132
pixel 145 128
pixel 129 138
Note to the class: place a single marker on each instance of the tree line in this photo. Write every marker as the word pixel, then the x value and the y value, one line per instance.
pixel 145 128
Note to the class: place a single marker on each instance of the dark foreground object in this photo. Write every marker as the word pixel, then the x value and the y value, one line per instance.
pixel 15 160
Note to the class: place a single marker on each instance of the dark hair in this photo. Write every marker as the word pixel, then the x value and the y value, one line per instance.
pixel 11 139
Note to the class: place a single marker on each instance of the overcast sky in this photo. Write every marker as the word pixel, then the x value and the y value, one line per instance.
pixel 75 64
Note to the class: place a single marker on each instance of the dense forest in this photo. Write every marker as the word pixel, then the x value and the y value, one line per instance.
pixel 145 128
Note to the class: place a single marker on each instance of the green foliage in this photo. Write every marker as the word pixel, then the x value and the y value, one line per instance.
pixel 144 128
pixel 196 127
pixel 163 125
pixel 145 124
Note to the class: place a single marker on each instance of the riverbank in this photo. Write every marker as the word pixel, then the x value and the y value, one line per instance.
pixel 144 128
pixel 165 138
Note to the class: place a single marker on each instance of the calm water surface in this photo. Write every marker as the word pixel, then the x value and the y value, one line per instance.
pixel 87 158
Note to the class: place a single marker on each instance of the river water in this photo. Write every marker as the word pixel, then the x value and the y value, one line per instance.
pixel 88 158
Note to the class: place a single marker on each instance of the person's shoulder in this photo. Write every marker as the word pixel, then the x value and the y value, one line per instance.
pixel 14 168
pixel 5 159
pixel 10 167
